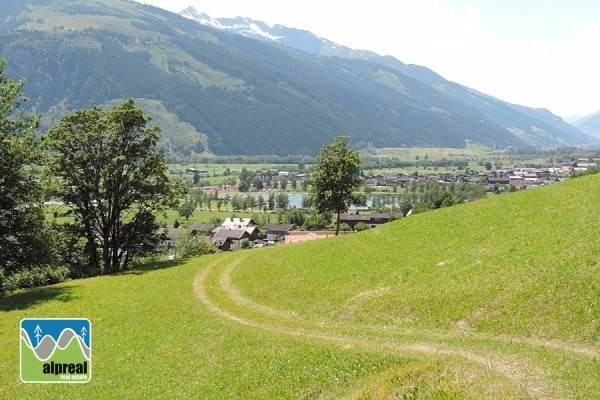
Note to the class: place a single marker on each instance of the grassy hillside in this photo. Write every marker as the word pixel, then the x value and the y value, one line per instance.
pixel 526 264
pixel 494 299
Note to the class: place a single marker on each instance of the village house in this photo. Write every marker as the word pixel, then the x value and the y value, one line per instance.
pixel 276 232
pixel 371 220
pixel 233 231
pixel 232 239
pixel 167 236
pixel 201 229
pixel 196 171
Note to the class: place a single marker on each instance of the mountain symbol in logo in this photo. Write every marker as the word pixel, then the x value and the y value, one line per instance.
pixel 46 347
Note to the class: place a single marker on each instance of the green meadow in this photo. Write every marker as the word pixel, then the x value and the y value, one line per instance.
pixel 496 299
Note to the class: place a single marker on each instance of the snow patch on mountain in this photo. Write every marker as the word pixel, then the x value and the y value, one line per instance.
pixel 240 25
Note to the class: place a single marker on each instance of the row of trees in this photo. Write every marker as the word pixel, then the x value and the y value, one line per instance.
pixel 102 164
pixel 273 202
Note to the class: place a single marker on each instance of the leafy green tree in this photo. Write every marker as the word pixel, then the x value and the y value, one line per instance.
pixel 257 183
pixel 295 216
pixel 336 179
pixel 444 200
pixel 345 227
pixel 236 203
pixel 215 221
pixel 187 209
pixel 251 202
pixel 316 221
pixel 304 184
pixel 109 172
pixel 21 215
pixel 283 201
pixel 187 245
pixel 260 201
pixel 271 201
pixel 361 226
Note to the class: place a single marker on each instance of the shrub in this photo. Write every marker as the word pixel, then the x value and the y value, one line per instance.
pixel 36 276
pixel 188 245
pixel 361 226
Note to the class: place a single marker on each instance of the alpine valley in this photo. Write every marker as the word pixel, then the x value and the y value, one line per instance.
pixel 237 86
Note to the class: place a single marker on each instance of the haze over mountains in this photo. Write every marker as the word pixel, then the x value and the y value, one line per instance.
pixel 212 91
pixel 589 124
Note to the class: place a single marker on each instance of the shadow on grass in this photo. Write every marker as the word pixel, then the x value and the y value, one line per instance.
pixel 148 266
pixel 35 296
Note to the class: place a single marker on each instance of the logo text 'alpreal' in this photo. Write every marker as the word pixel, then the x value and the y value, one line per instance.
pixel 55 350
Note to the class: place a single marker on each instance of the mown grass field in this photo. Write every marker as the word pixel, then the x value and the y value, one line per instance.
pixel 497 299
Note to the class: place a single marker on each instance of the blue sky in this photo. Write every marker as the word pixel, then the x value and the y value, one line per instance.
pixel 538 53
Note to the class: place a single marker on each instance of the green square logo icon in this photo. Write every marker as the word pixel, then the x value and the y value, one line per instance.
pixel 56 350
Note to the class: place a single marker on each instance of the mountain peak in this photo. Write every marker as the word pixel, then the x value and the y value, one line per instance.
pixel 202 18
pixel 240 25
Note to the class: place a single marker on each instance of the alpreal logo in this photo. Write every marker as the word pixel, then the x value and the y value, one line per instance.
pixel 55 350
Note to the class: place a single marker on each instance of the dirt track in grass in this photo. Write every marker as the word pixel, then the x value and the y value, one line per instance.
pixel 524 373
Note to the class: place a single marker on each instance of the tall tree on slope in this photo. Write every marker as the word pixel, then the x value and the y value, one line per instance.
pixel 21 214
pixel 335 181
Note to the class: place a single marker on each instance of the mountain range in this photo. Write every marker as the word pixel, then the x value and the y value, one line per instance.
pixel 215 89
pixel 536 126
pixel 589 124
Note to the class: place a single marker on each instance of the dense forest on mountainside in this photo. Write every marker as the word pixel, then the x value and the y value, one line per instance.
pixel 535 126
pixel 238 95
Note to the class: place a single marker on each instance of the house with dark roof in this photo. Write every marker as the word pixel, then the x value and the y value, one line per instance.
pixel 231 239
pixel 167 236
pixel 277 232
pixel 201 229
pixel 372 220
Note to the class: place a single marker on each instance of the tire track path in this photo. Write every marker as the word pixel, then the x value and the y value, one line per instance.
pixel 522 372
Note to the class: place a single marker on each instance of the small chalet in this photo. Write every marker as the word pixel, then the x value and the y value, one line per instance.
pixel 372 220
pixel 353 219
pixel 167 236
pixel 231 239
pixel 277 232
